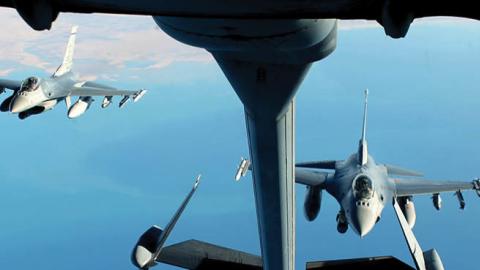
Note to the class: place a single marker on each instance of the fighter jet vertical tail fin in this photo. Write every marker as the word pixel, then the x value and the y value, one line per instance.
pixel 363 148
pixel 67 63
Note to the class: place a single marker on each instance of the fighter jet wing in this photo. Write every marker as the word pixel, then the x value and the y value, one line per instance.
pixel 97 91
pixel 396 170
pixel 198 255
pixel 407 187
pixel 97 85
pixel 10 84
pixel 310 177
pixel 323 164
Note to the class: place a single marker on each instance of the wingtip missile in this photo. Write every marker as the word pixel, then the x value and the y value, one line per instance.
pixel 197 181
pixel 137 96
pixel 242 169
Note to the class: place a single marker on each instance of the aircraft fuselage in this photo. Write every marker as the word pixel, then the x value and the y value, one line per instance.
pixel 361 191
pixel 42 94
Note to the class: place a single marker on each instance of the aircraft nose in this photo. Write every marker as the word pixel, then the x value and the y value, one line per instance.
pixel 363 218
pixel 19 104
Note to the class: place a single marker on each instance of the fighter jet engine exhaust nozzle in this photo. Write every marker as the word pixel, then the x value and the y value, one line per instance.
pixel 408 210
pixel 313 202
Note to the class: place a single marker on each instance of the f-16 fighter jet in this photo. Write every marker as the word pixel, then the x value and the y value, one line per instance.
pixel 36 95
pixel 363 187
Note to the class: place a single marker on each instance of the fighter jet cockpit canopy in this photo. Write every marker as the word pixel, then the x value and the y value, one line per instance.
pixel 362 187
pixel 30 84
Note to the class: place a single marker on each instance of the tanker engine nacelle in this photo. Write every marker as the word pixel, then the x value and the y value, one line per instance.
pixel 79 107
pixel 408 209
pixel 313 201
pixel 142 255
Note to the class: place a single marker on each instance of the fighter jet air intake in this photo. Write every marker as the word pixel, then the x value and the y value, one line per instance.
pixel 37 95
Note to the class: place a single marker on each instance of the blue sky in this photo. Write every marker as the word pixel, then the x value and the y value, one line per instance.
pixel 76 194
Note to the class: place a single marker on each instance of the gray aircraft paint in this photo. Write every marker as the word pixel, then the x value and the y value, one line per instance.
pixel 265 68
pixel 36 95
pixel 274 133
pixel 362 212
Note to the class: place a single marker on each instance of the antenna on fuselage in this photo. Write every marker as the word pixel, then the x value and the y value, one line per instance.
pixel 362 148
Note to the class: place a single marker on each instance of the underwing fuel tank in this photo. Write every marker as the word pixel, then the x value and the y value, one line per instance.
pixel 313 201
pixel 408 210
pixel 79 107
pixel 432 260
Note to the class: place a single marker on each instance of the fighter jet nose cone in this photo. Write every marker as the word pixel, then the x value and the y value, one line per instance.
pixel 19 104
pixel 363 232
pixel 363 220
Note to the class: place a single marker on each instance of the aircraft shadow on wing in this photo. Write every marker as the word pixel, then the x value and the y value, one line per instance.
pixel 36 95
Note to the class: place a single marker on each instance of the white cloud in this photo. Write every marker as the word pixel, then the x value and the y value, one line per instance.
pixel 6 72
pixel 106 44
